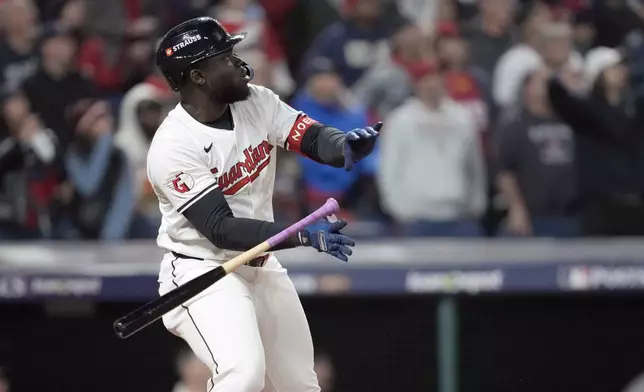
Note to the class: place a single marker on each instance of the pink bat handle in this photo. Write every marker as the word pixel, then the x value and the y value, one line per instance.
pixel 330 207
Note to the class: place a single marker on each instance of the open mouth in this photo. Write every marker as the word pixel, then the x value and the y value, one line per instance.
pixel 245 74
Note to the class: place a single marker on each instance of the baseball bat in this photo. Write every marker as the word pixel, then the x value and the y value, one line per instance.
pixel 150 312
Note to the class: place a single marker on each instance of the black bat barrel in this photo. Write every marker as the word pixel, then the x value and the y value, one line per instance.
pixel 140 318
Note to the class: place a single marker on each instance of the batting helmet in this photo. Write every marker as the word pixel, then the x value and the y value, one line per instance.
pixel 190 42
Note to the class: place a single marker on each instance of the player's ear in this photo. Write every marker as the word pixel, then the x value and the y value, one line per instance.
pixel 197 77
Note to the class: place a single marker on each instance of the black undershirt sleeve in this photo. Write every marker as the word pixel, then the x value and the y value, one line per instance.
pixel 324 144
pixel 212 217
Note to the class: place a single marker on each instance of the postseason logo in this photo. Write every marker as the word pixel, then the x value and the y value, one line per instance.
pixel 601 277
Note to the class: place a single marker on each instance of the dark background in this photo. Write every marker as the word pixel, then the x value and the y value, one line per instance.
pixel 527 343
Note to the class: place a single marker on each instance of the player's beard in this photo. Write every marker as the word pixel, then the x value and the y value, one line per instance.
pixel 230 90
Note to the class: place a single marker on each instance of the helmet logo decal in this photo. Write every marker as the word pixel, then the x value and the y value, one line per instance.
pixel 168 52
pixel 186 42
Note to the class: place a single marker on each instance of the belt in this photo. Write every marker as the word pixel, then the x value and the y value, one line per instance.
pixel 256 262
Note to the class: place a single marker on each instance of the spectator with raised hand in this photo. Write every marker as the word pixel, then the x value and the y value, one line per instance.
pixel 354 43
pixel 608 125
pixel 536 165
pixel 29 171
pixel 102 201
pixel 18 39
pixel 387 84
pixel 57 84
pixel 432 137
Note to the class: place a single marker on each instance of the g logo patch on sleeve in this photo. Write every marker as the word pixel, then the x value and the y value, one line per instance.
pixel 180 182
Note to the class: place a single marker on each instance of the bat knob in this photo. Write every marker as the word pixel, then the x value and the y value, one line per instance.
pixel 120 329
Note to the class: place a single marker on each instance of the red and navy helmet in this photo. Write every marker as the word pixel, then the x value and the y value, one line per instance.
pixel 190 42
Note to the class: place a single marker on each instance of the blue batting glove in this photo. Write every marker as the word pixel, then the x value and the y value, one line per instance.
pixel 359 143
pixel 325 236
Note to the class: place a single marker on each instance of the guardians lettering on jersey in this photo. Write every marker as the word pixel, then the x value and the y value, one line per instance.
pixel 294 139
pixel 246 171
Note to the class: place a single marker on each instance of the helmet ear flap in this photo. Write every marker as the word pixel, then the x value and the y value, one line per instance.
pixel 172 82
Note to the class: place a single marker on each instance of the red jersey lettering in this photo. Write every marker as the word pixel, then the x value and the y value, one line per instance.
pixel 244 172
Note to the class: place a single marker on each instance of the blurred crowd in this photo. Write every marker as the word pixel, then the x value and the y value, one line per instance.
pixel 501 117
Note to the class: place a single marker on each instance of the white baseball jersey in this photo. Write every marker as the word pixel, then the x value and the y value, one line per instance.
pixel 188 159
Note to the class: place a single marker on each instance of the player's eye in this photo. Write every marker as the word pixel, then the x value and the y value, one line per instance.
pixel 228 58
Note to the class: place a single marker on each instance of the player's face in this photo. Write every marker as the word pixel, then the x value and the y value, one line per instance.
pixel 226 78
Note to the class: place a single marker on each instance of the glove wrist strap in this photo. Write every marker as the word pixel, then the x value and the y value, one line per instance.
pixel 303 237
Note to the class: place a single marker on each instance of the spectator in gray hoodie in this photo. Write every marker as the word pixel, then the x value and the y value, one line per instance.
pixel 431 174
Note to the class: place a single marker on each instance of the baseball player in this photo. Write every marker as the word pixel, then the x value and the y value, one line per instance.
pixel 212 166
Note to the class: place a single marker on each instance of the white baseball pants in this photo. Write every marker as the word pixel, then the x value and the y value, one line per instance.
pixel 249 327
